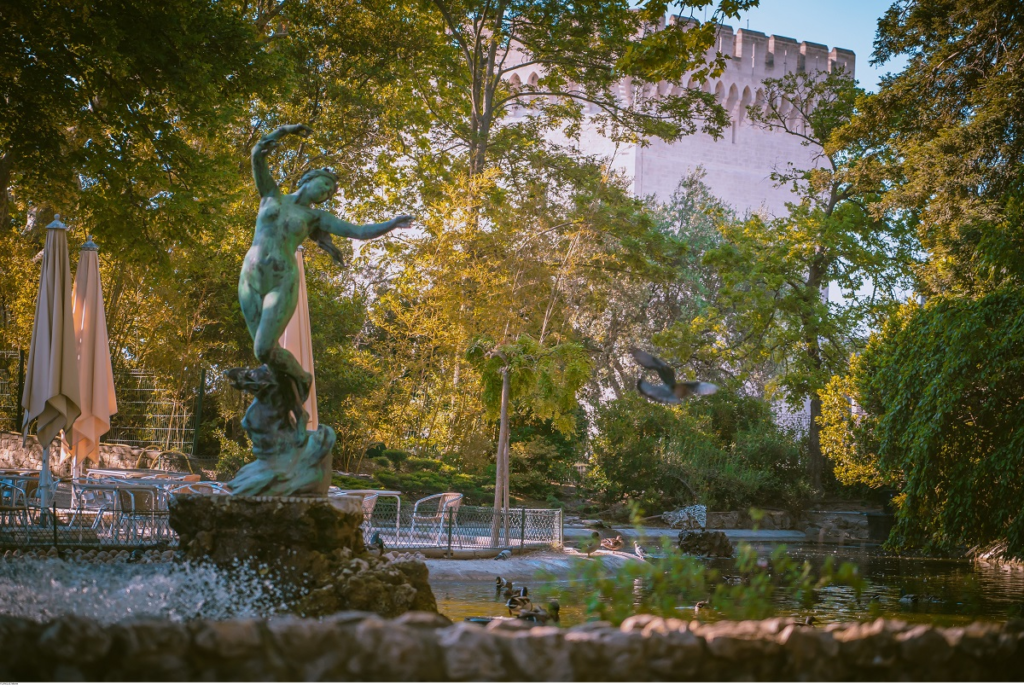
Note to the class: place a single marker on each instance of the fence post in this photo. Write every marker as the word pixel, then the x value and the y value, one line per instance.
pixel 55 523
pixel 20 413
pixel 522 528
pixel 450 513
pixel 199 411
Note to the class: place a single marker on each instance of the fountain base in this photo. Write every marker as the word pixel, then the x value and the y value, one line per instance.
pixel 313 546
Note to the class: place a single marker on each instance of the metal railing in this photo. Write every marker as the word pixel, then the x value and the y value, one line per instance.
pixel 464 528
pixel 74 523
pixel 12 375
pixel 150 415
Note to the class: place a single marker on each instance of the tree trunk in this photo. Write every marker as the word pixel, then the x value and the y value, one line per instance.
pixel 501 472
pixel 816 460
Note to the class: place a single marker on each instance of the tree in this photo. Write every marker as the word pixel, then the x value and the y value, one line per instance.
pixel 948 134
pixel 941 387
pixel 541 381
pixel 776 273
pixel 940 384
pixel 583 52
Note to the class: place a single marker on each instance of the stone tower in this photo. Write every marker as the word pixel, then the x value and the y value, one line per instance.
pixel 739 164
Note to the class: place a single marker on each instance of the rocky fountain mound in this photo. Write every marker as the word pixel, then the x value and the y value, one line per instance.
pixel 312 547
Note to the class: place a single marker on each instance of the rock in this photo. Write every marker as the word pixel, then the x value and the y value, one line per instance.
pixel 314 548
pixel 694 517
pixel 705 543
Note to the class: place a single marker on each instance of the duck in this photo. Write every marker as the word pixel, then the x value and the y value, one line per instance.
pixel 671 391
pixel 699 606
pixel 519 603
pixel 640 551
pixel 810 621
pixel 593 544
pixel 541 615
pixel 614 544
pixel 377 542
pixel 502 585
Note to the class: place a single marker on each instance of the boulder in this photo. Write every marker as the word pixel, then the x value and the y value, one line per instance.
pixel 705 543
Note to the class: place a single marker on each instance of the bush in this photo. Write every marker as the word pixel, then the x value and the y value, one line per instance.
pixel 382 462
pixel 233 456
pixel 420 464
pixel 396 457
pixel 726 454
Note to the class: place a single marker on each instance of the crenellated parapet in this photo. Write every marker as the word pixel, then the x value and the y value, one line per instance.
pixel 751 57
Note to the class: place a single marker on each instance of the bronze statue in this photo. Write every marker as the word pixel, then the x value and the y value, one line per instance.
pixel 290 460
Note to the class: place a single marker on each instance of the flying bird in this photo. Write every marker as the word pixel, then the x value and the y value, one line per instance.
pixel 671 391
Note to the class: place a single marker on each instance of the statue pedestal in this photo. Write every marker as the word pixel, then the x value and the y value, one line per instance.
pixel 312 547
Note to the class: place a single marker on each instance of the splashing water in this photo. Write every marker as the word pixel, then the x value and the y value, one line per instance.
pixel 43 589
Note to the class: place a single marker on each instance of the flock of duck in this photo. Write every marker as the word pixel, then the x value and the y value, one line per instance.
pixel 520 605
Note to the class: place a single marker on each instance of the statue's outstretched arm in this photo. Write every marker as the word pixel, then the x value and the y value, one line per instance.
pixel 260 170
pixel 335 226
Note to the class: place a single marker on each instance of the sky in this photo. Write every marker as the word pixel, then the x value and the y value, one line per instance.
pixel 849 24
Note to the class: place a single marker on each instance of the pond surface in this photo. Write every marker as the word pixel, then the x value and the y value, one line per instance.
pixel 43 589
pixel 949 592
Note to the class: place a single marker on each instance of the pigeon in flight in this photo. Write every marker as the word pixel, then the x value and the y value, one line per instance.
pixel 672 391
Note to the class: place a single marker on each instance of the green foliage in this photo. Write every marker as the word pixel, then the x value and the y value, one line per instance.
pixel 233 456
pixel 946 135
pixel 670 585
pixel 396 457
pixel 943 385
pixel 726 453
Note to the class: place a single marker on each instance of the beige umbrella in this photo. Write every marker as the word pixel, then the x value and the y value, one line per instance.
pixel 51 394
pixel 95 374
pixel 297 340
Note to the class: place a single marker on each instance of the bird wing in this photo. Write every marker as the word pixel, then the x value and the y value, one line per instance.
pixel 658 393
pixel 649 361
pixel 691 388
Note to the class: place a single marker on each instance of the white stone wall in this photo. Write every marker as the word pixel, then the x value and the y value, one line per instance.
pixel 740 163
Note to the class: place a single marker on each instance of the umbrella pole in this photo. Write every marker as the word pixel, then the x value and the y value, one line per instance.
pixel 45 481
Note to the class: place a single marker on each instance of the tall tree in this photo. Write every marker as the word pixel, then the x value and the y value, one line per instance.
pixel 584 54
pixel 776 272
pixel 948 128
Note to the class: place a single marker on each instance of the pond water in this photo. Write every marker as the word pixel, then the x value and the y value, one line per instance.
pixel 950 592
pixel 43 589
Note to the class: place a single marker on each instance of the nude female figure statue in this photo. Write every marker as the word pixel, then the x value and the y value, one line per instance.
pixel 268 285
pixel 290 459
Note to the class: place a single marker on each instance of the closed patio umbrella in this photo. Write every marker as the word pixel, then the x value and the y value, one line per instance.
pixel 95 374
pixel 51 395
pixel 298 340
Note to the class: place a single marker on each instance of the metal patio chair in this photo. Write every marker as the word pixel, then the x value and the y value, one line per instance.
pixel 435 514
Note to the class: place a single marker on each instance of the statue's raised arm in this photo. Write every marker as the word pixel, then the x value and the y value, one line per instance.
pixel 260 169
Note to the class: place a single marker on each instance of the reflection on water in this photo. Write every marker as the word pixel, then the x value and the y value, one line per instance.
pixel 948 592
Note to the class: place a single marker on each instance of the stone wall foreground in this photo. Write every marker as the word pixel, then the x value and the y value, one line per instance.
pixel 422 646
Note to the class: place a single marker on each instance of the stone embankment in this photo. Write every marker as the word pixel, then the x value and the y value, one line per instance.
pixel 423 646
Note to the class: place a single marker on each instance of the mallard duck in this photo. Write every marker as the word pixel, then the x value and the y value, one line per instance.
pixel 593 544
pixel 502 584
pixel 810 621
pixel 909 600
pixel 541 615
pixel 672 391
pixel 640 551
pixel 519 603
pixel 614 544
pixel 703 604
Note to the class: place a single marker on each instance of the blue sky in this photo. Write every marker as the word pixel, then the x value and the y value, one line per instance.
pixel 849 24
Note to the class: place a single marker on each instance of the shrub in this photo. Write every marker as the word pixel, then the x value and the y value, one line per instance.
pixel 396 457
pixel 726 454
pixel 420 464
